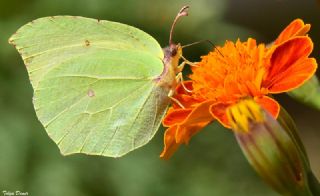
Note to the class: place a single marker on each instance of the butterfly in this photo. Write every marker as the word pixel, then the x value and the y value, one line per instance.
pixel 100 87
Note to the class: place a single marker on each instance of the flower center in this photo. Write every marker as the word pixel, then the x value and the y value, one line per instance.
pixel 235 72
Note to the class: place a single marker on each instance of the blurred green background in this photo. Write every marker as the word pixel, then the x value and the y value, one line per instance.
pixel 211 165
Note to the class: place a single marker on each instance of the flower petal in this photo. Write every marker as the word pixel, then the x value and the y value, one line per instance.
pixel 186 100
pixel 218 111
pixel 295 76
pixel 184 97
pixel 189 115
pixel 184 124
pixel 285 56
pixel 200 115
pixel 170 145
pixel 187 84
pixel 295 28
pixel 175 116
pixel 268 104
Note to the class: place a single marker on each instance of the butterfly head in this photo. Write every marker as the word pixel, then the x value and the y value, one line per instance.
pixel 175 50
pixel 172 53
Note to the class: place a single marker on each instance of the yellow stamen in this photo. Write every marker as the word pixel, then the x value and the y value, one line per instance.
pixel 241 114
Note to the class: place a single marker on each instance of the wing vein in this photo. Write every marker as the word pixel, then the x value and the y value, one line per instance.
pixel 63 111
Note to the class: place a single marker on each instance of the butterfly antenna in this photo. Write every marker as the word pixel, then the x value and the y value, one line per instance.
pixel 183 12
pixel 199 42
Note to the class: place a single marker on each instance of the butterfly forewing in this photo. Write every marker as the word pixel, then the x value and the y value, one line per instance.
pixel 94 83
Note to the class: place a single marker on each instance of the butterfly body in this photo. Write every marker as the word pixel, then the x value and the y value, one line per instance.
pixel 172 55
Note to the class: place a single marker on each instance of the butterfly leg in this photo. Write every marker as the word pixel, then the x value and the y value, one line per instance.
pixel 179 79
pixel 187 62
pixel 170 95
pixel 181 66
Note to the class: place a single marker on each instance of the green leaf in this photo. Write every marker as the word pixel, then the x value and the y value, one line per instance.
pixel 308 93
pixel 94 83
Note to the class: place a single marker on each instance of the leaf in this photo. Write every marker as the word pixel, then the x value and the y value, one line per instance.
pixel 94 83
pixel 308 93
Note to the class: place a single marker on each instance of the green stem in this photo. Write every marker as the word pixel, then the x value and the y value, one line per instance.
pixel 314 184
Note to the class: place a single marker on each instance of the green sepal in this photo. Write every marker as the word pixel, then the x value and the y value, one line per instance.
pixel 308 93
pixel 275 152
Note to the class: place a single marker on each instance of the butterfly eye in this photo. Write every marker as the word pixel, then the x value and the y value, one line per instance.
pixel 173 50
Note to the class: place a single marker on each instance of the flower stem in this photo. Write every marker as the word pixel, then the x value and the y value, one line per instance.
pixel 314 184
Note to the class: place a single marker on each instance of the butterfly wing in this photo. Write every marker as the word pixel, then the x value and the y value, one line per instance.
pixel 94 83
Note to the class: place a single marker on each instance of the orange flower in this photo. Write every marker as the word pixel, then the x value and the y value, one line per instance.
pixel 234 72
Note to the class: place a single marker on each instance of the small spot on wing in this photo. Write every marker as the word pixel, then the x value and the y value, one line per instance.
pixel 87 43
pixel 90 93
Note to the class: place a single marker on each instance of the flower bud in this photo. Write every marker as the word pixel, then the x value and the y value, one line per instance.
pixel 272 152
